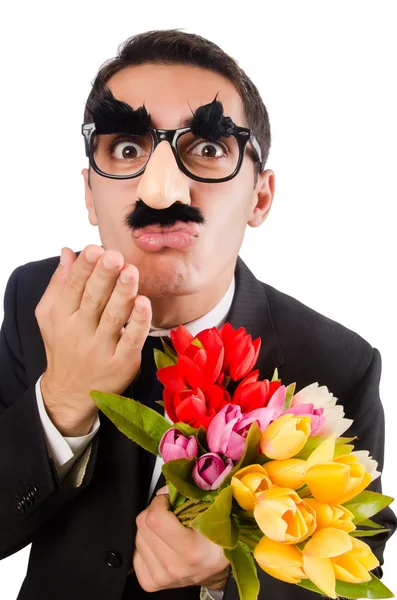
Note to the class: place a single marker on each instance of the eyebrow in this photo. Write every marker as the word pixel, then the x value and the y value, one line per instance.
pixel 113 115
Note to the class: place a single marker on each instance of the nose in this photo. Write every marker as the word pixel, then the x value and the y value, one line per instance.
pixel 163 183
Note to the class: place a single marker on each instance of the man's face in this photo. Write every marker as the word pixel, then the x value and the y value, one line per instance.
pixel 170 94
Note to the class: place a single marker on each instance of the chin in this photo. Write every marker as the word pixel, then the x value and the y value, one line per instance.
pixel 167 274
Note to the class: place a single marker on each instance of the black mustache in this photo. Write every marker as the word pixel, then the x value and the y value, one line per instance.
pixel 144 215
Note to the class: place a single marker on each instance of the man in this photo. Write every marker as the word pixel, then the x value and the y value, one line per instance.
pixel 177 139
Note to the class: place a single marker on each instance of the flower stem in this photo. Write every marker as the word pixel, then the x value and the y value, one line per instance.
pixel 251 543
pixel 185 505
pixel 192 511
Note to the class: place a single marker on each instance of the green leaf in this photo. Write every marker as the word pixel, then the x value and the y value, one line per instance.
pixel 367 532
pixel 304 492
pixel 173 493
pixel 370 589
pixel 216 523
pixel 202 439
pixel 186 429
pixel 169 352
pixel 162 360
pixel 275 375
pixel 161 402
pixel 138 422
pixel 250 455
pixel 369 523
pixel 343 449
pixel 244 571
pixel 367 504
pixel 179 473
pixel 314 441
pixel 290 389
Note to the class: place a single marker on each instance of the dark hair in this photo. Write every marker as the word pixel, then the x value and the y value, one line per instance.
pixel 171 46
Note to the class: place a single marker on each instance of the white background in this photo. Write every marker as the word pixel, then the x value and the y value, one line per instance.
pixel 327 73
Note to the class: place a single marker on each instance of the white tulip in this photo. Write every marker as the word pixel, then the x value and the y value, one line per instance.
pixel 321 397
pixel 367 462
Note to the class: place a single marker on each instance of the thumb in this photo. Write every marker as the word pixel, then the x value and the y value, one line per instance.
pixel 163 490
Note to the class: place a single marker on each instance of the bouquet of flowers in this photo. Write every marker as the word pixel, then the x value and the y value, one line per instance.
pixel 262 471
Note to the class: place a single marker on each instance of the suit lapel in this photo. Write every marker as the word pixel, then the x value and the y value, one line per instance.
pixel 250 309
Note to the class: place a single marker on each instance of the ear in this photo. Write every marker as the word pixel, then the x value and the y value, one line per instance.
pixel 263 197
pixel 89 200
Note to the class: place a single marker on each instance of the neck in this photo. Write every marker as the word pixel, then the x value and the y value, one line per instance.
pixel 169 312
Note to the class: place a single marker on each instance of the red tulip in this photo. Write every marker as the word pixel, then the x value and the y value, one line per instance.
pixel 195 406
pixel 241 353
pixel 196 367
pixel 181 338
pixel 251 393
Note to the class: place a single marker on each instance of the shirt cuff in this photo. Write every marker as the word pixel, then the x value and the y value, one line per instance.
pixel 206 594
pixel 62 449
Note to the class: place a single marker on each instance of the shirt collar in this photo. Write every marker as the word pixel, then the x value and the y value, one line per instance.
pixel 216 317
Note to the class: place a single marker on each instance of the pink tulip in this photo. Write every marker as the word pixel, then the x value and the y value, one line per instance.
pixel 210 470
pixel 175 445
pixel 228 430
pixel 316 415
pixel 221 426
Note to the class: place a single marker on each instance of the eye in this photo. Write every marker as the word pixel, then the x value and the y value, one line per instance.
pixel 206 149
pixel 125 150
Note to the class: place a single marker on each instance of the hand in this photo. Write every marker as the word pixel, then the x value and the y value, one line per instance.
pixel 170 555
pixel 81 317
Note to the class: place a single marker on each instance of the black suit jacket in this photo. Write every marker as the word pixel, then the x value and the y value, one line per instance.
pixel 83 537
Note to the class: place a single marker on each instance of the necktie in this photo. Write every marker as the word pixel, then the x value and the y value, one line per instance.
pixel 146 388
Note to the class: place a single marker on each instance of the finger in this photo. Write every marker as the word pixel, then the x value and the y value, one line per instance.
pixel 136 330
pixel 142 573
pixel 153 560
pixel 56 283
pixel 77 277
pixel 161 521
pixel 117 308
pixel 163 490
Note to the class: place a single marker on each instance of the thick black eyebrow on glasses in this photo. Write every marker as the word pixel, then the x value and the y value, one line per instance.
pixel 114 116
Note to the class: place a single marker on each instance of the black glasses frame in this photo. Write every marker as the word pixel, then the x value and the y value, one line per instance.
pixel 243 135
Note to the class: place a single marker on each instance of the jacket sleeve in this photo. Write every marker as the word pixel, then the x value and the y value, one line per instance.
pixel 30 489
pixel 363 405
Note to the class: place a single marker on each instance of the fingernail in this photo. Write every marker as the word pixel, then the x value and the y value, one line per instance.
pixel 63 257
pixel 91 255
pixel 125 277
pixel 139 307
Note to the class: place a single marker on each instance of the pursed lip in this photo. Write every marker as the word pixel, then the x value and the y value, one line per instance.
pixel 189 228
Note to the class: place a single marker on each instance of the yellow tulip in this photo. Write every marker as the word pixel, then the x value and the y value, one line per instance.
pixel 283 516
pixel 285 437
pixel 332 516
pixel 332 554
pixel 282 561
pixel 289 473
pixel 337 481
pixel 248 483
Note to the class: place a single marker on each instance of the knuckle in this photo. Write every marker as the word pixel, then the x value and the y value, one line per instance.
pixel 133 340
pixel 174 571
pixel 194 557
pixel 74 282
pixel 111 319
pixel 89 300
pixel 141 519
pixel 153 520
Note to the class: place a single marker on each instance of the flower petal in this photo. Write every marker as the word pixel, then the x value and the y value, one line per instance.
pixel 321 573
